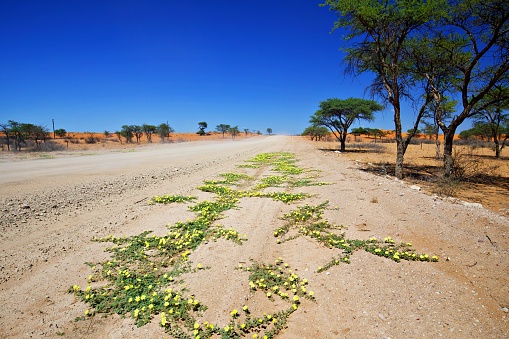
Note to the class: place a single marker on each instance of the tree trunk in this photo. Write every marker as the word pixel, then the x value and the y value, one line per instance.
pixel 400 154
pixel 448 160
pixel 342 141
pixel 437 149
pixel 497 148
pixel 401 147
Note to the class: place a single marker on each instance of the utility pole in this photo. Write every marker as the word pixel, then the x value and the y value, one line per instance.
pixel 53 122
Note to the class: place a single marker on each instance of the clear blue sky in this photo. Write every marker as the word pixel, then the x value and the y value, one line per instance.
pixel 97 65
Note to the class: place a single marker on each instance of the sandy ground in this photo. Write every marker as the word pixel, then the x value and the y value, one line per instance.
pixel 51 208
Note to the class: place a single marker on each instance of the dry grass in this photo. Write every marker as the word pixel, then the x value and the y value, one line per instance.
pixel 479 176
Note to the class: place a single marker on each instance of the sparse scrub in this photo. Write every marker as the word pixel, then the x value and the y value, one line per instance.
pixel 369 147
pixel 446 187
pixel 466 166
pixel 48 146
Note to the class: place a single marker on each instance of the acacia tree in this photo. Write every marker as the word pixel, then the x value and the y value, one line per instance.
pixel 119 136
pixel 246 130
pixel 439 108
pixel 202 125
pixel 164 130
pixel 19 133
pixel 269 131
pixel 38 133
pixel 6 130
pixel 376 132
pixel 234 131
pixel 496 118
pixel 138 132
pixel 127 133
pixel 378 44
pixel 223 128
pixel 472 41
pixel 316 132
pixel 338 115
pixel 149 130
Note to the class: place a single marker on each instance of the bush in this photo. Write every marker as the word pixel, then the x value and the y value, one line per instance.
pixel 91 140
pixel 446 187
pixel 371 147
pixel 467 166
pixel 48 146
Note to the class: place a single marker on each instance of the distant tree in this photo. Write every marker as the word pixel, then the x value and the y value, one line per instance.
pixel 234 131
pixel 479 130
pixel 223 128
pixel 149 130
pixel 497 117
pixel 358 131
pixel 6 130
pixel 19 132
pixel 107 134
pixel 39 133
pixel 269 131
pixel 119 135
pixel 127 133
pixel 316 132
pixel 440 109
pixel 246 130
pixel 61 133
pixel 258 132
pixel 466 134
pixel 376 132
pixel 138 132
pixel 202 125
pixel 338 115
pixel 429 130
pixel 417 132
pixel 164 130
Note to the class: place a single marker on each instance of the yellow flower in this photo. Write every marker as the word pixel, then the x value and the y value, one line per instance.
pixel 196 325
pixel 234 313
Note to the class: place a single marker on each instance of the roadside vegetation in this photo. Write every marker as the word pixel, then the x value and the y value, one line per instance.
pixel 144 278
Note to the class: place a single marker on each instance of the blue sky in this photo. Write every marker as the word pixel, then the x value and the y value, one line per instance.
pixel 98 65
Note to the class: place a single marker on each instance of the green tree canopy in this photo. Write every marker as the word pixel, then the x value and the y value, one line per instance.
pixel 377 43
pixel 202 125
pixel 149 130
pixel 338 115
pixel 234 131
pixel 223 128
pixel 164 130
pixel 316 132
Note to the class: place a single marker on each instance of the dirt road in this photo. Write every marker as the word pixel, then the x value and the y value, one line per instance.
pixel 51 209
